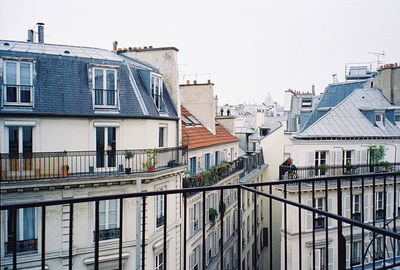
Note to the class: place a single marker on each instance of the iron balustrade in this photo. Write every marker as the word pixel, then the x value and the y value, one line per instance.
pixel 381 252
pixel 105 97
pixel 49 165
pixel 287 172
pixel 17 94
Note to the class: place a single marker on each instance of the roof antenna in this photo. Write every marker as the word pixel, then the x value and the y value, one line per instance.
pixel 378 57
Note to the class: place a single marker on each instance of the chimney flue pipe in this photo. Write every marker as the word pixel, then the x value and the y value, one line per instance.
pixel 40 32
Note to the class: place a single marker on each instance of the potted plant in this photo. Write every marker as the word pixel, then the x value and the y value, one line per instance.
pixel 385 166
pixel 152 159
pixel 65 169
pixel 311 172
pixel 376 154
pixel 212 215
pixel 128 156
pixel 292 171
pixel 323 168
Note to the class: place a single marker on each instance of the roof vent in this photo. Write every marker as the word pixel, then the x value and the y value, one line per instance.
pixel 6 44
pixel 67 52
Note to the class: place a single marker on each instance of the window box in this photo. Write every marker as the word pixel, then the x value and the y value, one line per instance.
pixel 107 234
pixel 22 246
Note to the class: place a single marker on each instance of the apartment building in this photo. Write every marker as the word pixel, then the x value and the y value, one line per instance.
pixel 81 122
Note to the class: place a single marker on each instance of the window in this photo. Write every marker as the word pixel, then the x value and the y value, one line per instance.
pixel 378 117
pixel 192 166
pixel 356 256
pixel 24 230
pixel 320 259
pixel 159 210
pixel 194 215
pixel 207 161
pixel 397 117
pixel 320 159
pixel 18 83
pixel 217 158
pixel 20 142
pixel 160 261
pixel 194 258
pixel 319 219
pixel 108 220
pixel 347 157
pixel 156 88
pixel 162 136
pixel 306 102
pixel 104 88
pixel 105 147
pixel 379 206
pixel 356 208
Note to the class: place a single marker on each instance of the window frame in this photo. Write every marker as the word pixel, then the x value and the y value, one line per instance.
pixel 106 218
pixel 163 140
pixel 18 83
pixel 104 89
pixel 160 211
pixel 159 257
pixel 153 77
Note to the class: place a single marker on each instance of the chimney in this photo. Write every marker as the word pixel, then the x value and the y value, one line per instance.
pixel 40 32
pixel 194 82
pixel 30 36
pixel 209 81
pixel 115 44
pixel 313 90
pixel 187 81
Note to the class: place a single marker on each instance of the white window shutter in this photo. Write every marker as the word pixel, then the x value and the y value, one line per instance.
pixel 330 211
pixel 309 216
pixel 200 216
pixel 367 249
pixel 347 206
pixel 331 160
pixel 191 259
pixel 199 167
pixel 358 157
pixel 389 210
pixel 364 157
pixel 212 159
pixel 317 259
pixel 339 156
pixel 191 218
pixel 347 255
pixel 207 208
pixel 366 208
pixel 207 248
pixel 330 258
pixel 310 159
pixel 389 246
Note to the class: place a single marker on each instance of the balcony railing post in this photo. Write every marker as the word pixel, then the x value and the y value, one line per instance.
pixel 341 239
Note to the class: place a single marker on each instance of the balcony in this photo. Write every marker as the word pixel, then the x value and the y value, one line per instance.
pixel 51 165
pixel 303 241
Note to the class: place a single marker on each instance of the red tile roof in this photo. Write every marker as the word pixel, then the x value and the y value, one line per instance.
pixel 196 136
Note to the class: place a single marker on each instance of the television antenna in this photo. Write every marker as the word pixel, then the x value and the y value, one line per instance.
pixel 379 56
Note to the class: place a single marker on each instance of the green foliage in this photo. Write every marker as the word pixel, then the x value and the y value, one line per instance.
pixel 129 154
pixel 152 158
pixel 323 167
pixel 385 164
pixel 222 207
pixel 212 215
pixel 377 153
pixel 65 167
pixel 311 172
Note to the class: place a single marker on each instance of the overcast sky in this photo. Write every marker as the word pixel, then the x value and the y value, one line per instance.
pixel 249 47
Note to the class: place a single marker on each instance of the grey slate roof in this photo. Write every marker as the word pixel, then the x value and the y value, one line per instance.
pixel 61 82
pixel 346 119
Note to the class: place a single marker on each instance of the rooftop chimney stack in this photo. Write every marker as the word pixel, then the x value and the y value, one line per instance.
pixel 30 35
pixel 40 32
pixel 313 90
pixel 115 44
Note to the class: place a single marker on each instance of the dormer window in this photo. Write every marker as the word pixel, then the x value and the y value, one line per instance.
pixel 18 88
pixel 156 88
pixel 378 118
pixel 104 88
pixel 397 118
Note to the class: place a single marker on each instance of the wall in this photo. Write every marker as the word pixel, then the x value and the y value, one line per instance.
pixel 57 221
pixel 228 122
pixel 198 99
pixel 78 134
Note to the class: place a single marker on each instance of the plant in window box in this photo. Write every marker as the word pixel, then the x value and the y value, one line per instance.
pixel 222 207
pixel 348 168
pixel 385 166
pixel 323 168
pixel 152 159
pixel 212 215
pixel 311 172
pixel 292 171
pixel 128 156
pixel 65 169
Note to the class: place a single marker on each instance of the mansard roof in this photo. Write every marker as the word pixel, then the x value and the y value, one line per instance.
pixel 62 83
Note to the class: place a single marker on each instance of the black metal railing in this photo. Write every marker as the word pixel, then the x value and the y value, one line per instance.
pixel 287 172
pixel 379 239
pixel 14 94
pixel 105 97
pixel 107 234
pixel 48 165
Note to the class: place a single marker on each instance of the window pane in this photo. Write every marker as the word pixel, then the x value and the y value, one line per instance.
pixel 11 73
pixel 111 142
pixel 13 140
pixel 161 137
pixel 25 74
pixel 29 223
pixel 27 140
pixel 112 214
pixel 102 215
pixel 99 147
pixel 11 93
pixel 110 87
pixel 25 93
pixel 98 79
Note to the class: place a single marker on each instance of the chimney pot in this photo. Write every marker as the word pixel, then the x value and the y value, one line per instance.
pixel 115 44
pixel 150 47
pixel 30 35
pixel 194 82
pixel 40 32
pixel 187 81
pixel 145 47
pixel 209 81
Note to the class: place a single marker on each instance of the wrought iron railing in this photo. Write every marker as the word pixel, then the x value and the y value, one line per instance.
pixel 300 235
pixel 17 94
pixel 287 172
pixel 49 165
